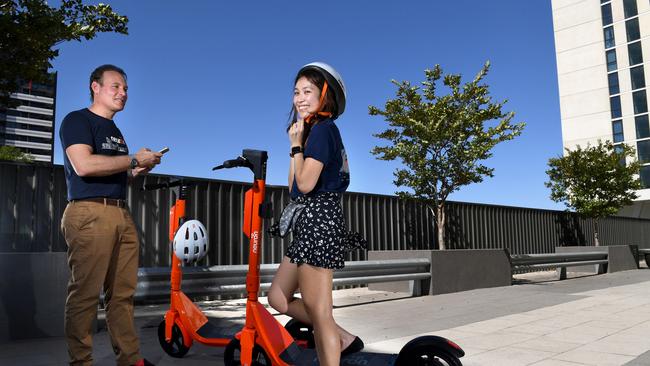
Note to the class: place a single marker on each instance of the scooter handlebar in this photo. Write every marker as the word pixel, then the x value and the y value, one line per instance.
pixel 233 163
pixel 154 186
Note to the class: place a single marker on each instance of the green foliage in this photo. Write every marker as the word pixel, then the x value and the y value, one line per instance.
pixel 442 139
pixel 593 181
pixel 29 29
pixel 13 153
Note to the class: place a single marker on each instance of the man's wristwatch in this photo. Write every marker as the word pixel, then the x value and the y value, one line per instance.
pixel 296 150
pixel 134 163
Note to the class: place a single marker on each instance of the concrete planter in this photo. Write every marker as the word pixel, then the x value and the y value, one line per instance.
pixel 453 270
pixel 32 295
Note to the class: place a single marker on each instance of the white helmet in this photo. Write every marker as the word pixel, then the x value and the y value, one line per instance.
pixel 191 242
pixel 334 80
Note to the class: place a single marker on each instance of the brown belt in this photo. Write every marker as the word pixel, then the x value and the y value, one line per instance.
pixel 105 201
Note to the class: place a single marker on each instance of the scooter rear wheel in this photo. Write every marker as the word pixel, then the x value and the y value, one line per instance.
pixel 422 352
pixel 232 355
pixel 176 347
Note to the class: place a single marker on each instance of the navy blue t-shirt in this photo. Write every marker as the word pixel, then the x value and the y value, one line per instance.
pixel 85 127
pixel 325 145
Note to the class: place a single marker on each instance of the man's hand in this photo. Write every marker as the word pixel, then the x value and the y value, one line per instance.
pixel 147 159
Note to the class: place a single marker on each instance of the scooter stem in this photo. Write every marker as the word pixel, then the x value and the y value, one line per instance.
pixel 252 229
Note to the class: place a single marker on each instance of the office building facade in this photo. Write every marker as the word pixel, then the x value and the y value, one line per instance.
pixel 602 48
pixel 29 125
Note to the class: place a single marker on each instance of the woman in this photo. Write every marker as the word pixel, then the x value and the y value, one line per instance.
pixel 318 175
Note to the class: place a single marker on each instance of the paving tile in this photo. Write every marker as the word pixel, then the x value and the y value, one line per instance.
pixel 555 362
pixel 616 345
pixel 548 345
pixel 609 308
pixel 509 356
pixel 533 329
pixel 561 321
pixel 455 334
pixel 620 324
pixel 633 301
pixel 497 340
pixel 581 334
pixel 593 358
pixel 488 326
pixel 525 318
pixel 641 329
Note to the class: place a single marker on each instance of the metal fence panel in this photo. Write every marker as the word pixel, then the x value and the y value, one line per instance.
pixel 33 198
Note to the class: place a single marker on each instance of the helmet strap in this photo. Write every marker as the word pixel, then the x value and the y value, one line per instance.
pixel 322 98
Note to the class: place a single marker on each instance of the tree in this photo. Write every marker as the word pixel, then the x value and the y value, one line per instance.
pixel 29 29
pixel 594 181
pixel 13 153
pixel 442 139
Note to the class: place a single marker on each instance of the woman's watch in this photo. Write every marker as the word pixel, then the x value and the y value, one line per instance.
pixel 296 150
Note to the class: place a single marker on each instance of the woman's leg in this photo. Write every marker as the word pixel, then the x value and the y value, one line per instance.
pixel 282 289
pixel 316 291
pixel 282 300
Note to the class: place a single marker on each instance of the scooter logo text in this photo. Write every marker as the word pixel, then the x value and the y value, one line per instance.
pixel 255 236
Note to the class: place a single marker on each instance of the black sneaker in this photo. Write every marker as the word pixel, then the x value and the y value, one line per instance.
pixel 355 346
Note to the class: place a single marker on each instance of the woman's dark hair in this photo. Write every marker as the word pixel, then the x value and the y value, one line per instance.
pixel 329 103
pixel 98 74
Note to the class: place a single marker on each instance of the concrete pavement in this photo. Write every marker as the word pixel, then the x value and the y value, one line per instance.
pixel 589 320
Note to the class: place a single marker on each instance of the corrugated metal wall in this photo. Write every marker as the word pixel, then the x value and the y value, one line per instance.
pixel 32 200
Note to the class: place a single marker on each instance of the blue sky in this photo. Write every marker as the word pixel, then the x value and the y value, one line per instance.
pixel 209 78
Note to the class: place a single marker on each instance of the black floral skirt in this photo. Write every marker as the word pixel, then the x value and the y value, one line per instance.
pixel 320 237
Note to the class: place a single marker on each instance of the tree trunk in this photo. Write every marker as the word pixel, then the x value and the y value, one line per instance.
pixel 596 242
pixel 440 219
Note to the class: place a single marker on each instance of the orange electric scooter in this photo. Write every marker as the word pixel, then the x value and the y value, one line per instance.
pixel 184 322
pixel 263 340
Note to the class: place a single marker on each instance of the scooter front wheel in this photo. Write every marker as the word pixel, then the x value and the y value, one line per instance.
pixel 232 355
pixel 426 351
pixel 176 346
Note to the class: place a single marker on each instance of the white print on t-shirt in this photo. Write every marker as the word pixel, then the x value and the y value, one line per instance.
pixel 115 144
pixel 118 140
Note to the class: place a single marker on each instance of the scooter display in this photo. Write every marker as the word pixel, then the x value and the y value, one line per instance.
pixel 263 340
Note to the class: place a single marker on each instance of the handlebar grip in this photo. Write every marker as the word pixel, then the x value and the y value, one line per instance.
pixel 154 186
pixel 233 163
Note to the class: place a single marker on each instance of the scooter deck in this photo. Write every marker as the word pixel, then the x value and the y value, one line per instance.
pixel 216 328
pixel 308 357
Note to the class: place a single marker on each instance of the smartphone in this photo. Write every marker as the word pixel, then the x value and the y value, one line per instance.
pixel 164 150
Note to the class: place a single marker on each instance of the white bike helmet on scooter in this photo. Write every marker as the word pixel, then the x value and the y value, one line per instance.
pixel 333 80
pixel 191 242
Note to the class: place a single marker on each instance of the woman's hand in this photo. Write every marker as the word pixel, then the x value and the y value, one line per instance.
pixel 295 133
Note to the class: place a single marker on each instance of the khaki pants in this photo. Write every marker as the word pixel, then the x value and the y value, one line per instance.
pixel 103 252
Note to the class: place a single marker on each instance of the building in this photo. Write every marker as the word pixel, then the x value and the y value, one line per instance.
pixel 602 52
pixel 30 124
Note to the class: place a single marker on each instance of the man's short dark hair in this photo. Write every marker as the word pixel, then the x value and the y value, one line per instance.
pixel 98 74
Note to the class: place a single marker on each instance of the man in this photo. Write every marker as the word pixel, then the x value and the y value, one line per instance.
pixel 101 236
